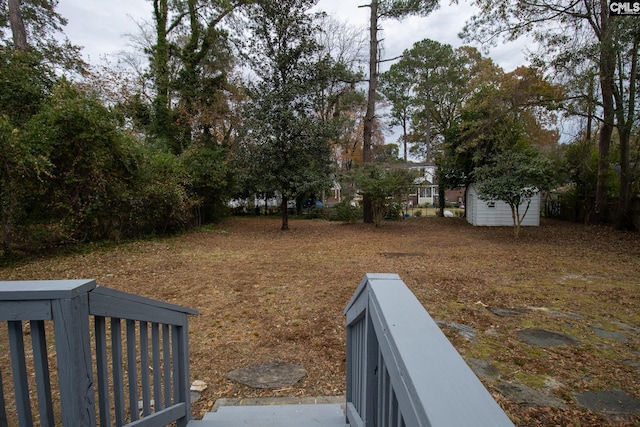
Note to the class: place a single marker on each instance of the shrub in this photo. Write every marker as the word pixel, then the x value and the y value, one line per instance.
pixel 393 211
pixel 385 186
pixel 344 212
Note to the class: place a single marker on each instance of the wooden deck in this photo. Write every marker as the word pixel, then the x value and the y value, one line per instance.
pixel 324 415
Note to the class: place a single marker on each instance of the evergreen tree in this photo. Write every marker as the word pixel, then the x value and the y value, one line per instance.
pixel 288 140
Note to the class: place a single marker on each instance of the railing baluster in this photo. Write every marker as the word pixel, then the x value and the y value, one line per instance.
pixel 357 367
pixel 382 372
pixel 132 369
pixel 102 371
pixel 144 369
pixel 116 368
pixel 41 367
pixel 362 331
pixel 385 399
pixel 372 347
pixel 166 362
pixel 3 411
pixel 395 414
pixel 157 373
pixel 353 358
pixel 391 397
pixel 19 368
pixel 174 362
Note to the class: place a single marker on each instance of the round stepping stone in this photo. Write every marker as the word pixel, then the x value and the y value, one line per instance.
pixel 272 375
pixel 546 338
pixel 611 402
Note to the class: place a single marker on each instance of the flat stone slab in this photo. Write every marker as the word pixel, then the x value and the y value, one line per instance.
pixel 611 402
pixel 610 335
pixel 527 396
pixel 507 312
pixel 546 338
pixel 484 369
pixel 271 375
pixel 466 331
pixel 555 313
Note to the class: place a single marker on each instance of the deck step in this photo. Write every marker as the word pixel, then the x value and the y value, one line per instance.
pixel 326 415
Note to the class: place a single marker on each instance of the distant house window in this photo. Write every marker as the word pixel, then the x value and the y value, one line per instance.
pixel 491 204
pixel 425 192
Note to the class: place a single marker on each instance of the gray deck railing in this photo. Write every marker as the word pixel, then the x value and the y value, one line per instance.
pixel 402 370
pixel 148 363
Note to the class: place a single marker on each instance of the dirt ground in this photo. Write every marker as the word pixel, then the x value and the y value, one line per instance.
pixel 266 295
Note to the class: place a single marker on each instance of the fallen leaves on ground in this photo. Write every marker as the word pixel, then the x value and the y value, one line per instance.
pixel 264 294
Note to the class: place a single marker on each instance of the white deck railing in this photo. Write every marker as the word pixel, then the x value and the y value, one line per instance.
pixel 402 370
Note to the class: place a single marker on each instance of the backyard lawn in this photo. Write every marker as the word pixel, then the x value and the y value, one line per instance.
pixel 266 295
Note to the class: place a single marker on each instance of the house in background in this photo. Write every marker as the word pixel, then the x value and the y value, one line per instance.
pixel 426 187
pixel 456 196
pixel 498 213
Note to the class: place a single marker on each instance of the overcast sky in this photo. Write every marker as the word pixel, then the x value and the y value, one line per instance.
pixel 99 26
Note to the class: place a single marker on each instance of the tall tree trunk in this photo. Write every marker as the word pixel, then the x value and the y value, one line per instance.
pixel 161 122
pixel 191 58
pixel 624 220
pixel 285 213
pixel 371 101
pixel 515 215
pixel 607 82
pixel 404 138
pixel 590 110
pixel 427 135
pixel 17 26
pixel 441 199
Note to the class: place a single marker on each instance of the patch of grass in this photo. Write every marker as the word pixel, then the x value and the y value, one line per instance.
pixel 213 228
pixel 534 352
pixel 533 380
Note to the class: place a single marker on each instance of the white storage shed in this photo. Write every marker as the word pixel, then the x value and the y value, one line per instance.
pixel 498 213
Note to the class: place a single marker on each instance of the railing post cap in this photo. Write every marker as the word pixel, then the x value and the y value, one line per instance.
pixel 44 289
pixel 381 276
pixel 368 278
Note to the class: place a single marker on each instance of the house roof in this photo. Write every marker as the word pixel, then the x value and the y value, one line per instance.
pixel 422 180
pixel 419 164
